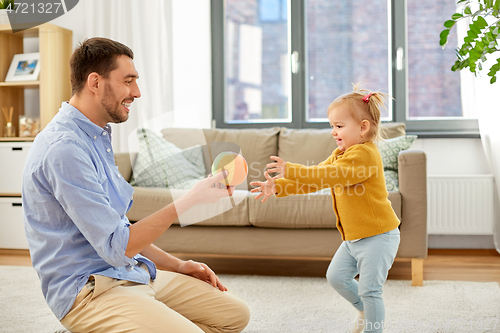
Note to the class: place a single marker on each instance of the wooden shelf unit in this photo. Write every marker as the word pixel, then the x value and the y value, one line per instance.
pixel 55 47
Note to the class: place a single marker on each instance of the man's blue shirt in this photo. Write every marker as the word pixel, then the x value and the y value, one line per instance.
pixel 74 205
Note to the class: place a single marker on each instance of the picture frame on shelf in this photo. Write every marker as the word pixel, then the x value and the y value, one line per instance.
pixel 24 67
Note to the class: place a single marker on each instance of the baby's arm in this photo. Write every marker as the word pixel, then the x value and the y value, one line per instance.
pixel 279 166
pixel 281 186
pixel 352 169
pixel 266 188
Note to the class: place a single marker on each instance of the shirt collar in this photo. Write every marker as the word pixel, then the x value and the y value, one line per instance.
pixel 91 129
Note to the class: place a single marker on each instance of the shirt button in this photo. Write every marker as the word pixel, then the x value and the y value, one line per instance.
pixel 118 175
pixel 95 137
pixel 103 133
pixel 108 150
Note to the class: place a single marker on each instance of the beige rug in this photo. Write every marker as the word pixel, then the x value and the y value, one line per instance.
pixel 294 305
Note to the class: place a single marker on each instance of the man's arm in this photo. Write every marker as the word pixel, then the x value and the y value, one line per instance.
pixel 162 259
pixel 168 262
pixel 144 232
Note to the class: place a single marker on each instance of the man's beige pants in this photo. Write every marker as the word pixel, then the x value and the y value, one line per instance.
pixel 172 303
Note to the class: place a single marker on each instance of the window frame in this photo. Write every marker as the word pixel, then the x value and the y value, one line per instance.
pixel 439 128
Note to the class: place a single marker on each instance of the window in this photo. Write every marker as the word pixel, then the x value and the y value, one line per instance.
pixel 282 62
pixel 347 42
pixel 257 73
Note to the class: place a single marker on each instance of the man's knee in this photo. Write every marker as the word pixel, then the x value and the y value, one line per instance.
pixel 240 318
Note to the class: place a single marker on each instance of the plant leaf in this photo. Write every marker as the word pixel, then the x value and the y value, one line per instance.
pixel 496 6
pixel 481 22
pixel 473 27
pixel 457 16
pixel 443 37
pixel 479 47
pixel 448 24
pixel 467 10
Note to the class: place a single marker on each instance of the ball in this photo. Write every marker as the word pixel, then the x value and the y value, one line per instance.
pixel 235 164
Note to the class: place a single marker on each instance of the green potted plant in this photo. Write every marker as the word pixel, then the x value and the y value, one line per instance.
pixel 482 36
pixel 4 5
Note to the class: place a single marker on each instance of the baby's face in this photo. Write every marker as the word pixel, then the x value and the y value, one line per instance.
pixel 346 130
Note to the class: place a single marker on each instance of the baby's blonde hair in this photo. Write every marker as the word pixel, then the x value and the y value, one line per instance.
pixel 364 104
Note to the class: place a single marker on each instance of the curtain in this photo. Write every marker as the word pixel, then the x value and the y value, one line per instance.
pixel 489 118
pixel 478 99
pixel 147 30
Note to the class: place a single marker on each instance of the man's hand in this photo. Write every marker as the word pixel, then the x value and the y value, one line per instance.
pixel 266 188
pixel 144 232
pixel 210 190
pixel 279 166
pixel 200 271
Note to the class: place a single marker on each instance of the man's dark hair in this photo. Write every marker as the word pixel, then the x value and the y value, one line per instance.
pixel 95 55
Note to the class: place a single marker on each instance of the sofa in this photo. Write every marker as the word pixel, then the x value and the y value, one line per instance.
pixel 299 226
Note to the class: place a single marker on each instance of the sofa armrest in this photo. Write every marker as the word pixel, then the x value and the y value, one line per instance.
pixel 124 163
pixel 412 171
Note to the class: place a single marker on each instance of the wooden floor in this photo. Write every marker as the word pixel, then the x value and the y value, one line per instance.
pixel 454 265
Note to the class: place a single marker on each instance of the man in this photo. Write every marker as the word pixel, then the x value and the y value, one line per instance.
pixel 98 272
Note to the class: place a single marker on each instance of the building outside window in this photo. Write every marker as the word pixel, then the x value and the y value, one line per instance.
pixel 282 62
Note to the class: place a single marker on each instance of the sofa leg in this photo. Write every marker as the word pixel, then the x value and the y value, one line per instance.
pixel 417 272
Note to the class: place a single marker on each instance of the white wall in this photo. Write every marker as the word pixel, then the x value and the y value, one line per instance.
pixel 453 156
pixel 74 21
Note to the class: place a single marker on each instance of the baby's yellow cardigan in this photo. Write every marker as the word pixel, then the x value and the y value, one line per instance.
pixel 356 179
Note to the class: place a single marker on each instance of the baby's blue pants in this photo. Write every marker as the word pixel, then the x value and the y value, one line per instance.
pixel 371 257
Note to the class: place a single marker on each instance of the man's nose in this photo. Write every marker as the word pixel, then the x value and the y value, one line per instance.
pixel 135 92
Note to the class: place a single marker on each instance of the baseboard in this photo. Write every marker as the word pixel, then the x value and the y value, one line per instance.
pixel 461 242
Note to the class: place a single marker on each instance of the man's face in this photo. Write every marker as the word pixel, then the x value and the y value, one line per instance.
pixel 120 90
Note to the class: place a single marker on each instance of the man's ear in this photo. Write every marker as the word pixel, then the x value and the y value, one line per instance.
pixel 365 127
pixel 93 82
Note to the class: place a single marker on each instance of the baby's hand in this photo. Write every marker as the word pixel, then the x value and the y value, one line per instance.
pixel 266 188
pixel 279 167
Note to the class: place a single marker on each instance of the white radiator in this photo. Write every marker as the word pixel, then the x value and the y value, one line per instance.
pixel 460 204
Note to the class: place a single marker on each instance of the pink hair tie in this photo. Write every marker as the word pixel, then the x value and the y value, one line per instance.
pixel 367 98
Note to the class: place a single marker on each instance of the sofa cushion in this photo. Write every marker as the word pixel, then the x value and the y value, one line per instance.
pixel 150 200
pixel 124 162
pixel 392 130
pixel 391 180
pixel 305 146
pixel 162 164
pixel 312 146
pixel 256 145
pixel 390 148
pixel 303 211
pixel 294 212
